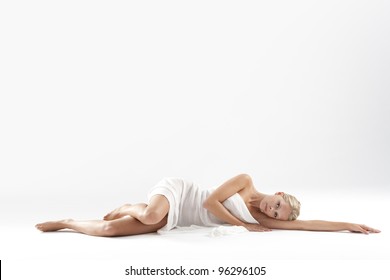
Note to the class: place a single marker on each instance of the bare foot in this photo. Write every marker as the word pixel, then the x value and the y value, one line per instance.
pixel 53 226
pixel 117 213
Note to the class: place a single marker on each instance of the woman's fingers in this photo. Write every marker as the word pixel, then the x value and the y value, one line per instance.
pixel 263 229
pixel 369 229
pixel 364 229
pixel 256 227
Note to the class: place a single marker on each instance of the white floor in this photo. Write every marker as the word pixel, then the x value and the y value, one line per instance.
pixel 21 243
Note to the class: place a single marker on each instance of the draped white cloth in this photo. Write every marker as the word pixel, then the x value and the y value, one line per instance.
pixel 186 205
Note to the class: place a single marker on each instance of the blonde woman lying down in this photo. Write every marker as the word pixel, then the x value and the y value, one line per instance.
pixel 177 202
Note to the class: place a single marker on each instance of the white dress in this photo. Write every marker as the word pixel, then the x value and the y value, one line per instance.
pixel 186 204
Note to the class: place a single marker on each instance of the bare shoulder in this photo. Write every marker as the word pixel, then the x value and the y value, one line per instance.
pixel 247 179
pixel 234 185
pixel 244 177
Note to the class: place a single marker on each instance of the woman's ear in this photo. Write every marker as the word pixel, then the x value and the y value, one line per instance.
pixel 279 193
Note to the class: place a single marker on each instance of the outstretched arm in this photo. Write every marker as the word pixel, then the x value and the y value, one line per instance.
pixel 316 225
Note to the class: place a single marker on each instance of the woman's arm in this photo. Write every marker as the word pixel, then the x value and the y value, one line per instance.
pixel 316 225
pixel 214 202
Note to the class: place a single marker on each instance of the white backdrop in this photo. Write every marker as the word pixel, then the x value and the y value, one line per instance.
pixel 101 99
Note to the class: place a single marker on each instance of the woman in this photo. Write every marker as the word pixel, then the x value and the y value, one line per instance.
pixel 176 202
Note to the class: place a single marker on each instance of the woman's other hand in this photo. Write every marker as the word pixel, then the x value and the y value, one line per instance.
pixel 256 227
pixel 361 228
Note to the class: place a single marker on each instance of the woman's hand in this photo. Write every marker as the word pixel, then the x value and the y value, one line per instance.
pixel 256 227
pixel 361 228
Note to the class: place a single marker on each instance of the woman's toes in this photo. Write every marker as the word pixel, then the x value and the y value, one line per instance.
pixel 50 226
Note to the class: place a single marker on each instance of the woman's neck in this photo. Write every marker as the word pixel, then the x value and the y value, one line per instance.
pixel 255 198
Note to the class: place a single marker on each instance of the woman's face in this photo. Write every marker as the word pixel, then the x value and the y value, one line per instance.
pixel 275 207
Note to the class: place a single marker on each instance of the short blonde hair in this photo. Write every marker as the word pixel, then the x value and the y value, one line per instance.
pixel 294 204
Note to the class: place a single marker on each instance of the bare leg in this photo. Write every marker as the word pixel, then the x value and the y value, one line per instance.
pixel 137 219
pixel 125 210
pixel 148 214
pixel 119 227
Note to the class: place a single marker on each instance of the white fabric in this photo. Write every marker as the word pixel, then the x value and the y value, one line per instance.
pixel 206 231
pixel 186 204
pixel 226 230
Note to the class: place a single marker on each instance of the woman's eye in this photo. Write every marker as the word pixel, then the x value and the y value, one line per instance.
pixel 275 215
pixel 277 205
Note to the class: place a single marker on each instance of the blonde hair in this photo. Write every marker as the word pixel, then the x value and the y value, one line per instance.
pixel 294 204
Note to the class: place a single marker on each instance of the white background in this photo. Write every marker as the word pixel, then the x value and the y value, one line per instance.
pixel 101 99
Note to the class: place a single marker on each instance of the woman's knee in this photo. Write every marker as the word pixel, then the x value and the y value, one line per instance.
pixel 109 229
pixel 151 217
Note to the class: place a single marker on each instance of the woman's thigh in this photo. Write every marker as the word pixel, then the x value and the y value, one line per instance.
pixel 158 205
pixel 131 226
